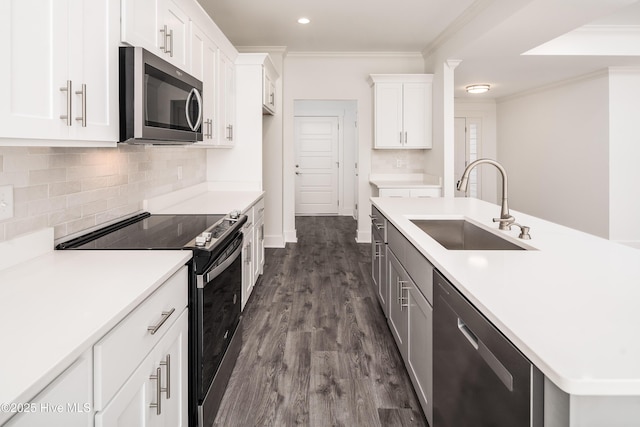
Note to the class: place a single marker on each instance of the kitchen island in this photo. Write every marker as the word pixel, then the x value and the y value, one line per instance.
pixel 568 304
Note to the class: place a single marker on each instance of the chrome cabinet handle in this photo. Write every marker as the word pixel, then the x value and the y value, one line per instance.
pixel 158 404
pixel 67 89
pixel 165 315
pixel 400 138
pixel 167 363
pixel 167 46
pixel 403 288
pixel 230 132
pixel 83 93
pixel 405 137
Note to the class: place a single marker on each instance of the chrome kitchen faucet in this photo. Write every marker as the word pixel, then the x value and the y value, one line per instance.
pixel 505 219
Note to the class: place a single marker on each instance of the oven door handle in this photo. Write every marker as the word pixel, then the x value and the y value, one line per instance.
pixel 203 279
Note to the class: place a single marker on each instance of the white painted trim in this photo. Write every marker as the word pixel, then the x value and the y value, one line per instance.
pixel 290 236
pixel 275 241
pixel 552 86
pixel 354 54
pixel 26 247
pixel 364 236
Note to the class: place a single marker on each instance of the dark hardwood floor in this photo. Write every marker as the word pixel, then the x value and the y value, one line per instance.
pixel 317 350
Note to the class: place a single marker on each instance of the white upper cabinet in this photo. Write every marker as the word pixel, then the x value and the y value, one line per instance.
pixel 402 110
pixel 61 79
pixel 160 26
pixel 204 66
pixel 226 101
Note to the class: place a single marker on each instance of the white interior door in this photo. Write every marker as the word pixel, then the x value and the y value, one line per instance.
pixel 316 167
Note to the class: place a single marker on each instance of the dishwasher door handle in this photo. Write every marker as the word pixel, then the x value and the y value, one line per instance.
pixel 491 360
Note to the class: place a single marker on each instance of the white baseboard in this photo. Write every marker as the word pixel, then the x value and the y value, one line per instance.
pixel 276 241
pixel 364 236
pixel 291 236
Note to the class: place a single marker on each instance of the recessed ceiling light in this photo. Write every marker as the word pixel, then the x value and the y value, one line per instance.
pixel 303 20
pixel 478 88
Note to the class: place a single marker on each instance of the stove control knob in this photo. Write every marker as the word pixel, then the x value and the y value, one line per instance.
pixel 234 214
pixel 201 240
pixel 207 235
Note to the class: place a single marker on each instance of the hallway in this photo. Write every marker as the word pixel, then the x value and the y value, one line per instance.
pixel 317 350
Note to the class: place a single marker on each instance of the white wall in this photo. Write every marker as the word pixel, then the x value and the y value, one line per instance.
pixel 485 110
pixel 624 154
pixel 554 145
pixel 337 77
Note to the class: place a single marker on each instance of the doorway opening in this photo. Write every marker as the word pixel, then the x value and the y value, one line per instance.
pixel 467 148
pixel 325 145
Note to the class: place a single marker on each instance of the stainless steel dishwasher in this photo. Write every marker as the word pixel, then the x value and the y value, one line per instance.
pixel 480 378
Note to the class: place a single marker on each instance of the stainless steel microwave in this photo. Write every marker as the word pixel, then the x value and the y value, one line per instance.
pixel 159 103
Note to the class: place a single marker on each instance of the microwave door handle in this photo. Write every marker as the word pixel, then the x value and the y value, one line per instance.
pixel 200 112
pixel 193 92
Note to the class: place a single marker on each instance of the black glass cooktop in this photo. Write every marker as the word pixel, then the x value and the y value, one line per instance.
pixel 152 232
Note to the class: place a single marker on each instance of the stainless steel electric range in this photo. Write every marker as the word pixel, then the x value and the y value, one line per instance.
pixel 215 283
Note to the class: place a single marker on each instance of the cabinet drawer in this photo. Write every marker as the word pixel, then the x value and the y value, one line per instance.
pixel 119 352
pixel 395 192
pixel 425 192
pixel 420 270
pixel 396 241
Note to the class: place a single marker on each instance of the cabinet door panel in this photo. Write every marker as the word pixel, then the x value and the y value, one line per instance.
pixel 417 115
pixel 34 34
pixel 420 355
pixel 70 395
pixel 388 115
pixel 177 22
pixel 398 315
pixel 140 23
pixel 95 64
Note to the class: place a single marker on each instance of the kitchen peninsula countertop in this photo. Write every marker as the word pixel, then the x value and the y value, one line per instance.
pixel 55 306
pixel 570 305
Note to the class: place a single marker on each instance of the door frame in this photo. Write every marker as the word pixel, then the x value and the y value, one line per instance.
pixel 345 111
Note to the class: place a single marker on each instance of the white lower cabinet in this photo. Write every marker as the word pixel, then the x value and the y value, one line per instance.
pixel 247 263
pixel 156 393
pixel 64 402
pixel 253 248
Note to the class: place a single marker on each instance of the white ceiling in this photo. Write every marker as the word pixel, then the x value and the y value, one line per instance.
pixel 489 36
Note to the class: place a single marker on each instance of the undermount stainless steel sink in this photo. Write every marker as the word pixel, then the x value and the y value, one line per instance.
pixel 459 234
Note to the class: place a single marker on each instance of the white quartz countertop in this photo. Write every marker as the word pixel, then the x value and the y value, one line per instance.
pixel 213 202
pixel 570 306
pixel 55 306
pixel 416 183
pixel 415 180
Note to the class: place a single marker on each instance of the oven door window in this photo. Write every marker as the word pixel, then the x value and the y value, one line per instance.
pixel 168 101
pixel 220 315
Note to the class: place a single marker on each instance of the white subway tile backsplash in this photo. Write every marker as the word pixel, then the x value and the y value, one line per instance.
pixel 72 189
pixel 41 176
